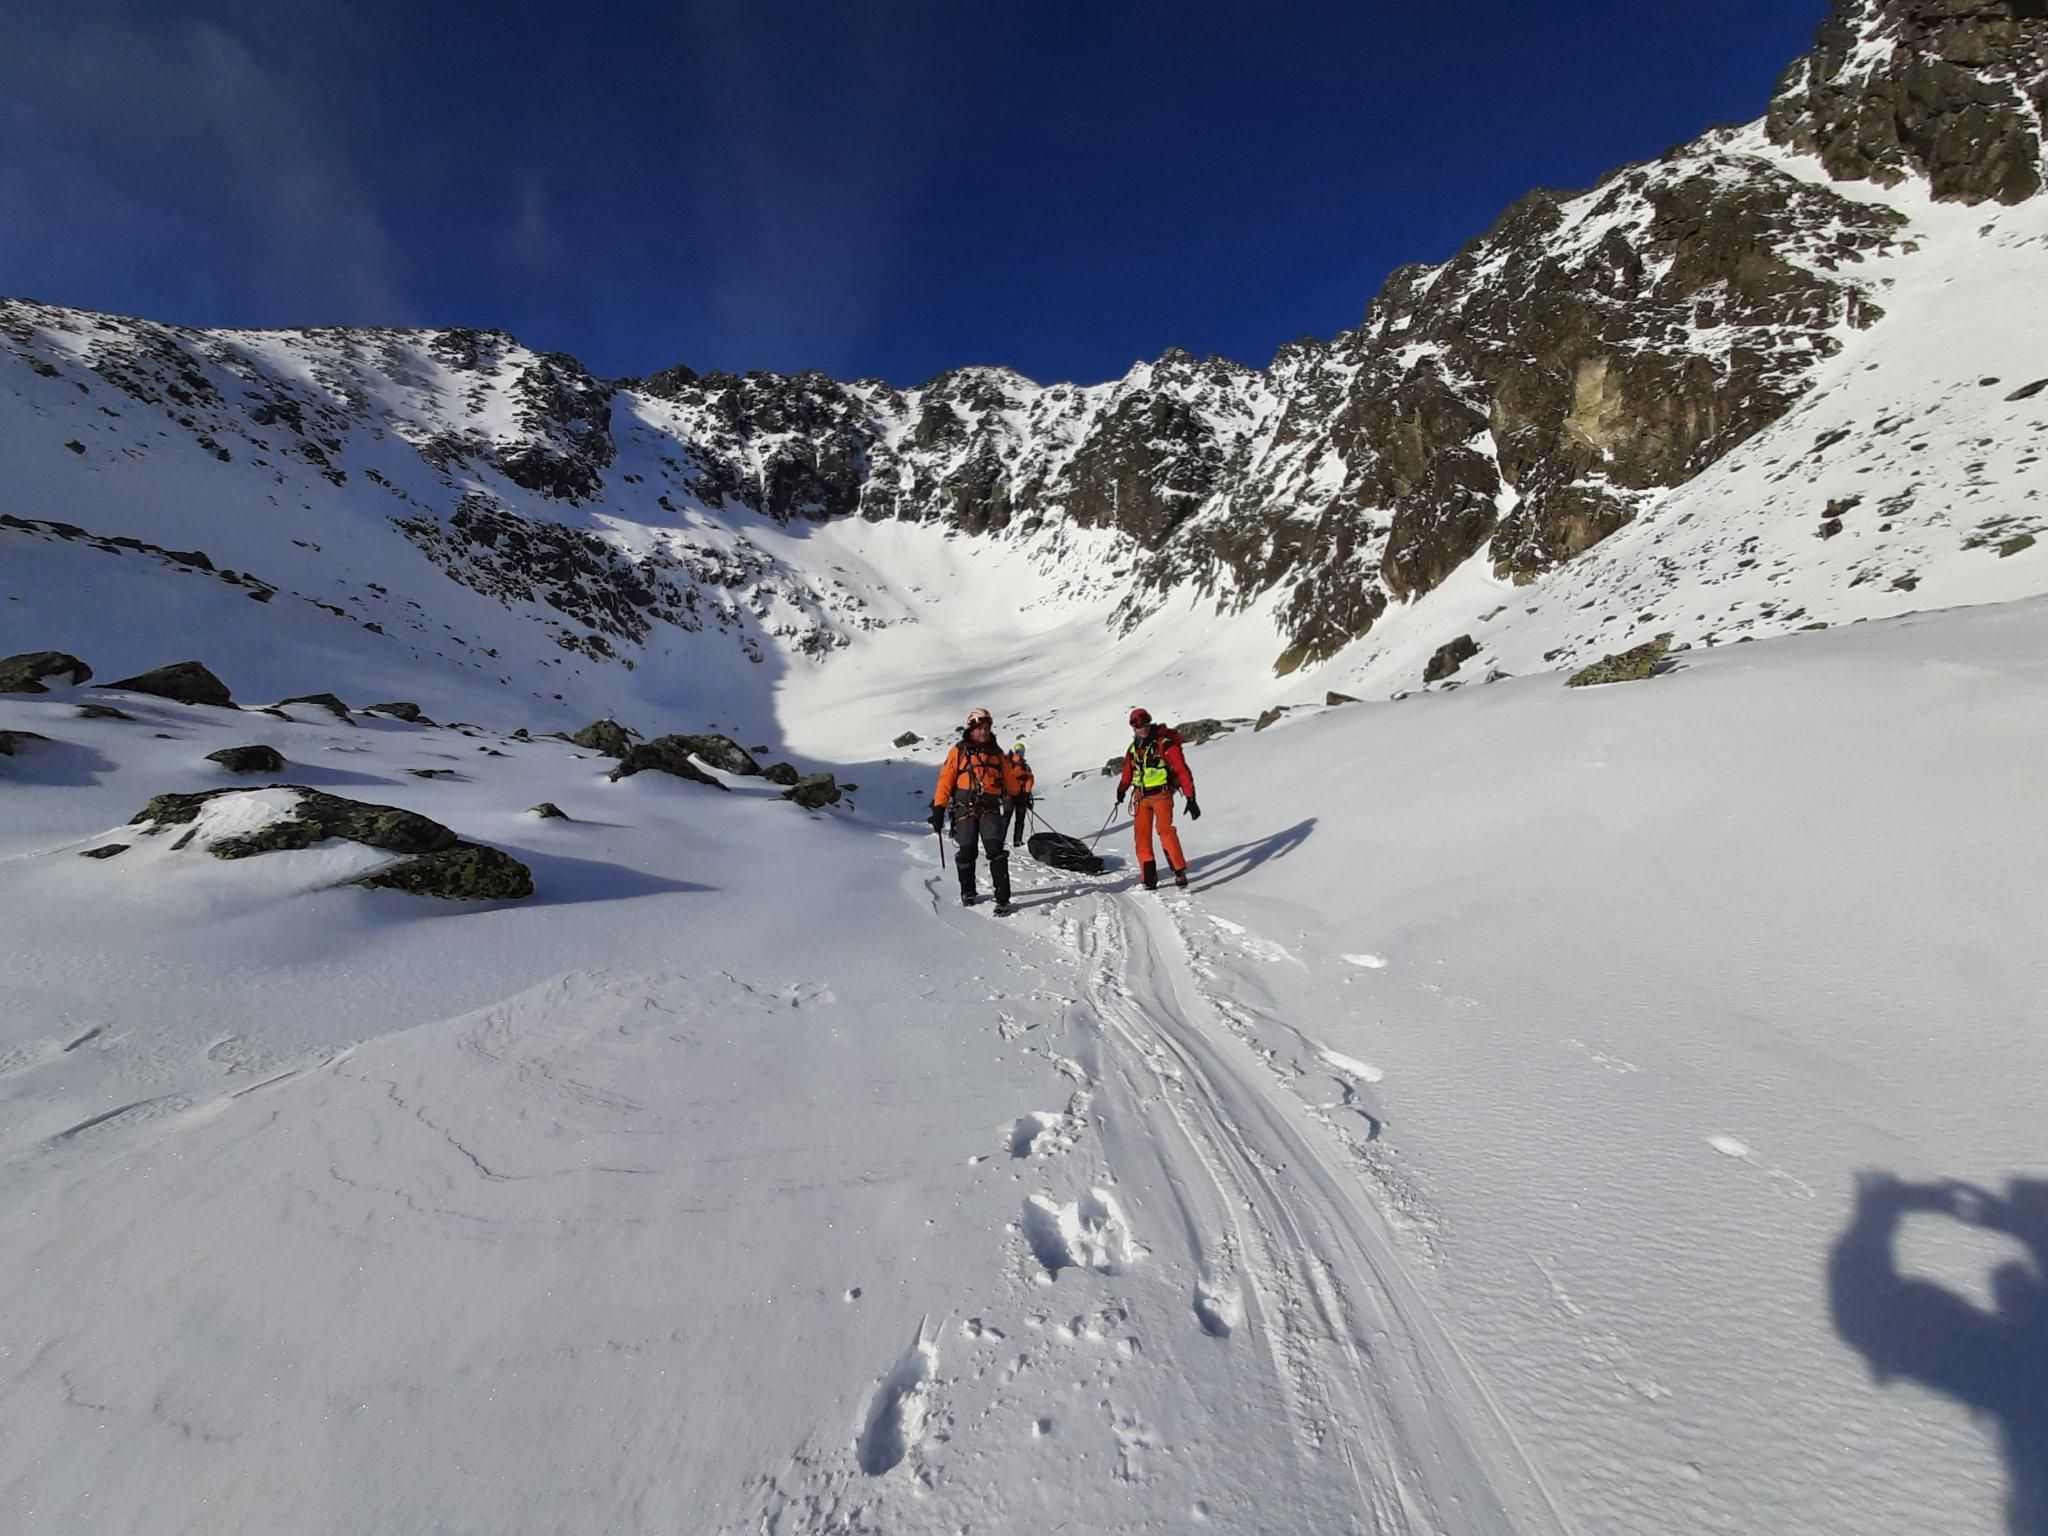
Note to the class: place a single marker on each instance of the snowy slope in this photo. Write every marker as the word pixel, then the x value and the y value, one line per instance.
pixel 1467 1152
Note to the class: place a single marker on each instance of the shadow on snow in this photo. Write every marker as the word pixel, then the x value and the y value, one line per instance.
pixel 1993 1362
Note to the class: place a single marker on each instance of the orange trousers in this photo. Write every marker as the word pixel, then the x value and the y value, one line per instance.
pixel 1151 811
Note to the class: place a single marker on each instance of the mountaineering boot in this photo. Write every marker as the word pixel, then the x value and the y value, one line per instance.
pixel 1180 877
pixel 1150 872
pixel 967 896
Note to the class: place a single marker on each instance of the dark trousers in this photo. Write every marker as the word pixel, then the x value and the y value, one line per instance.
pixel 985 826
pixel 1018 814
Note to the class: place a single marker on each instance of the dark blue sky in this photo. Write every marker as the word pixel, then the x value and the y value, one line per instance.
pixel 860 186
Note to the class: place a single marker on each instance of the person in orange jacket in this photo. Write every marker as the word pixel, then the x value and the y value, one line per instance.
pixel 1023 809
pixel 1155 766
pixel 980 785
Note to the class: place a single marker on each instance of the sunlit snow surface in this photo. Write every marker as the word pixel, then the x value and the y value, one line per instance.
pixel 1466 1151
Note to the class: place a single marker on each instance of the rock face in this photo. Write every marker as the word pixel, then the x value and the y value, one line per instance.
pixel 1450 656
pixel 605 736
pixel 1952 90
pixel 25 673
pixel 814 791
pixel 187 682
pixel 255 759
pixel 664 754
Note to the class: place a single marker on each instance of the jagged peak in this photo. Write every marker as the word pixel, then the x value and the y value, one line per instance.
pixel 1953 91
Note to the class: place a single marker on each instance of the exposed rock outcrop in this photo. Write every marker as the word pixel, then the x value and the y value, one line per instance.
pixel 607 737
pixel 1450 656
pixel 1629 666
pixel 186 682
pixel 814 791
pixel 252 759
pixel 665 754
pixel 1952 90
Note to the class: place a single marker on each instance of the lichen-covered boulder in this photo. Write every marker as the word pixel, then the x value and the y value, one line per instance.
pixel 252 759
pixel 291 816
pixel 1450 656
pixel 1622 666
pixel 399 709
pixel 907 739
pixel 813 791
pixel 547 810
pixel 1269 717
pixel 466 872
pixel 13 741
pixel 664 754
pixel 102 712
pixel 781 773
pixel 1333 698
pixel 606 736
pixel 183 682
pixel 326 701
pixel 25 673
pixel 314 817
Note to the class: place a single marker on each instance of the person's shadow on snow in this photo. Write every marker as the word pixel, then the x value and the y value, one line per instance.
pixel 1994 1362
pixel 1209 870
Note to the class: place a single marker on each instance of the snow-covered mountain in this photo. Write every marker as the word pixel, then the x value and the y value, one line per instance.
pixel 1548 1110
pixel 1552 418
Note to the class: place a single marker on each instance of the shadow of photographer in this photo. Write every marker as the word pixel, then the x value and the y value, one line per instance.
pixel 1995 1362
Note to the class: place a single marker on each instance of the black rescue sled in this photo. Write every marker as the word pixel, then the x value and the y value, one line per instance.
pixel 1059 851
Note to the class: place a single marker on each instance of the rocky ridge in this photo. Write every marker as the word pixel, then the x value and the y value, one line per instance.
pixel 1527 398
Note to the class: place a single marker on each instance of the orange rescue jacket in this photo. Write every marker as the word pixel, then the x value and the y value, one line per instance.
pixel 976 771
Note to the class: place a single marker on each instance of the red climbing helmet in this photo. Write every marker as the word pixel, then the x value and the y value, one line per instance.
pixel 1140 717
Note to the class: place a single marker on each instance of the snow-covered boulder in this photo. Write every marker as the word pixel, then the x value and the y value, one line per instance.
pixel 326 701
pixel 25 673
pixel 664 754
pixel 242 823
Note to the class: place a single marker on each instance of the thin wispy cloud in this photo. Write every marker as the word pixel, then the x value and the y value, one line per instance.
pixel 178 146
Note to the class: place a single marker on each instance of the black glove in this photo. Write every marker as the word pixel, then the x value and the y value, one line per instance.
pixel 937 817
pixel 1120 799
pixel 1194 811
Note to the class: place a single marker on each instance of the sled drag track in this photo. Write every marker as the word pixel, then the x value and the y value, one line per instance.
pixel 1391 1428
